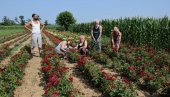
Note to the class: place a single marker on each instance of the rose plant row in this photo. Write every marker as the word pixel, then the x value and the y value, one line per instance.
pixel 55 74
pixel 11 76
pixel 142 64
pixel 6 50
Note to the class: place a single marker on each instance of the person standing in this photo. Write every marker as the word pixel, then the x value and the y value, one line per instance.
pixel 96 33
pixel 37 28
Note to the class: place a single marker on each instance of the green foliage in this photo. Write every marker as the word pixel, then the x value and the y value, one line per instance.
pixel 12 27
pixel 65 19
pixel 22 21
pixel 46 22
pixel 107 83
pixel 72 56
pixel 58 84
pixel 6 21
pixel 136 31
pixel 11 76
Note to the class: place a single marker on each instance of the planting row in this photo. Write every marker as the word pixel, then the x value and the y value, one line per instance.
pixel 11 76
pixel 6 50
pixel 8 38
pixel 108 84
pixel 57 83
pixel 145 66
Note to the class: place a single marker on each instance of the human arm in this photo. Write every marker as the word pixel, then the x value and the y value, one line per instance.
pixel 43 25
pixel 63 47
pixel 119 37
pixel 26 26
pixel 100 34
pixel 112 40
pixel 117 46
pixel 92 34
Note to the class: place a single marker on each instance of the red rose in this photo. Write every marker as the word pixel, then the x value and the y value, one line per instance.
pixel 149 49
pixel 157 67
pixel 47 68
pixel 101 69
pixel 56 92
pixel 151 55
pixel 142 73
pixel 53 79
pixel 125 81
pixel 46 92
pixel 71 78
pixel 149 78
pixel 148 63
pixel 56 82
pixel 138 58
pixel 131 68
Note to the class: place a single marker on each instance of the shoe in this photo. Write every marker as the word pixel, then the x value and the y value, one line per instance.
pixel 40 51
pixel 32 51
pixel 65 57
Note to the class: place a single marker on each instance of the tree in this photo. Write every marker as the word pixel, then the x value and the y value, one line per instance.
pixel 16 20
pixel 65 19
pixel 6 21
pixel 12 22
pixel 46 22
pixel 28 20
pixel 22 21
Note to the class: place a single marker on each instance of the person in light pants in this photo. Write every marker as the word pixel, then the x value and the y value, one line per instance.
pixel 36 38
pixel 36 31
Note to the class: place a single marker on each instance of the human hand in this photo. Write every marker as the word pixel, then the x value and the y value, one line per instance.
pixel 113 46
pixel 30 30
pixel 97 40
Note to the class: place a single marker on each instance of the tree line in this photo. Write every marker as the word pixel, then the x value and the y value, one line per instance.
pixel 20 20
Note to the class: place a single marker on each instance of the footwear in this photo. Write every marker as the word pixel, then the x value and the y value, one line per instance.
pixel 32 50
pixel 65 57
pixel 40 50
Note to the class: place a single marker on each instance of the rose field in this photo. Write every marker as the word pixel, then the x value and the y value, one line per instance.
pixel 137 70
pixel 85 48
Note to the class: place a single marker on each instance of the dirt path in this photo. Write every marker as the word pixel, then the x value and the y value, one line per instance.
pixel 4 62
pixel 48 40
pixel 80 83
pixel 32 83
pixel 13 39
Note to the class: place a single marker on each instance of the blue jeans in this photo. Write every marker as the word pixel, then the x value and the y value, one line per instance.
pixel 98 44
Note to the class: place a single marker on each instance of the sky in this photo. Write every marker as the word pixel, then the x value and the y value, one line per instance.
pixel 85 10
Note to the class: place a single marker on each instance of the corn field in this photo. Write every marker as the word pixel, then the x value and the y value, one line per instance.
pixel 139 31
